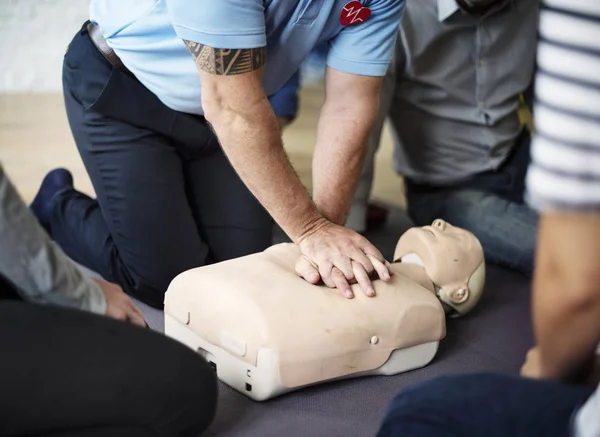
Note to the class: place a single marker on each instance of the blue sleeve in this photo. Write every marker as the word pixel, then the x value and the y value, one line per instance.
pixel 223 24
pixel 286 100
pixel 367 48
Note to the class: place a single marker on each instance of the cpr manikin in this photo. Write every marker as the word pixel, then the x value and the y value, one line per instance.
pixel 267 331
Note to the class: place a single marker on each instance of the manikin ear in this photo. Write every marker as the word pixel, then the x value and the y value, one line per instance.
pixel 459 296
pixel 464 303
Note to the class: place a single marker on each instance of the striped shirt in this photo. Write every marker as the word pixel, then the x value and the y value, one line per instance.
pixel 565 168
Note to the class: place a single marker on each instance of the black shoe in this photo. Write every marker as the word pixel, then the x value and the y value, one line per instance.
pixel 55 181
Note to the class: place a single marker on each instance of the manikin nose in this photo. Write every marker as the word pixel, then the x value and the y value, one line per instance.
pixel 439 223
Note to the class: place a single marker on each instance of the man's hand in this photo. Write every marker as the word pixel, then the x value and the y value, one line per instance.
pixel 118 305
pixel 339 256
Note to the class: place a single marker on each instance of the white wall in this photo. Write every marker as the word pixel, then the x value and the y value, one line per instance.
pixel 34 35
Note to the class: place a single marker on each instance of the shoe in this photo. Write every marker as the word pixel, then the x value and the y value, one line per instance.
pixel 55 181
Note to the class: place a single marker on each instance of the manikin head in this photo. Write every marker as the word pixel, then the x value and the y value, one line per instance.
pixel 452 258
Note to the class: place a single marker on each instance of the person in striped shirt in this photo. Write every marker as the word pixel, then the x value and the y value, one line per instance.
pixel 554 395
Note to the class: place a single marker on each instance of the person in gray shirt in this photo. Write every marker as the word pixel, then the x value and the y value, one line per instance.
pixel 36 270
pixel 460 71
pixel 70 366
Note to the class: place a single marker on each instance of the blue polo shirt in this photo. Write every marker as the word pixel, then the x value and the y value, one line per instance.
pixel 147 35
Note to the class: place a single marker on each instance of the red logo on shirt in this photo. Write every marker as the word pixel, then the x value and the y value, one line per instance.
pixel 354 13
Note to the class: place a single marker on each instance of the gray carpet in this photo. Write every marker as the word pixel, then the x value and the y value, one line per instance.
pixel 495 337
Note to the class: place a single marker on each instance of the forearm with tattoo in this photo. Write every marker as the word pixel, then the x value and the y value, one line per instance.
pixel 236 105
pixel 226 62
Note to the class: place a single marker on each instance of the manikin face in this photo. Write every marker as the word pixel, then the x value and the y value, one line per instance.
pixel 450 255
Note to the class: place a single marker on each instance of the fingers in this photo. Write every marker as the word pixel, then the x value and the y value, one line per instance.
pixel 362 277
pixel 341 283
pixel 344 265
pixel 135 316
pixel 136 319
pixel 380 267
pixel 358 256
pixel 306 270
pixel 389 267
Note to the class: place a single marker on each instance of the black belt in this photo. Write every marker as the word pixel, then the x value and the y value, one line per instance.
pixel 102 46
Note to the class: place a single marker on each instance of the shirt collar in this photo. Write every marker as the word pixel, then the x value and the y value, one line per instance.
pixel 446 8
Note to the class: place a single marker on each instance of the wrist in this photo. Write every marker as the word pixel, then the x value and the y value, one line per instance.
pixel 333 213
pixel 311 227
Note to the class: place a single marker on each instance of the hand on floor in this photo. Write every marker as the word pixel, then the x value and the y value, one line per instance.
pixel 118 305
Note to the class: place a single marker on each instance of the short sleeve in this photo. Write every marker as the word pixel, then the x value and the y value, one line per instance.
pixel 367 48
pixel 224 24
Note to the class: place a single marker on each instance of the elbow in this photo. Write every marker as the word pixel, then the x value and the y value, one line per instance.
pixel 226 110
pixel 213 106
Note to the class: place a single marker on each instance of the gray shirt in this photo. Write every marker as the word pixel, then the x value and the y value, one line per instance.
pixel 458 82
pixel 34 265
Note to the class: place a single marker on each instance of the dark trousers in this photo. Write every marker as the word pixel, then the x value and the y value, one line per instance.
pixel 66 373
pixel 168 199
pixel 484 405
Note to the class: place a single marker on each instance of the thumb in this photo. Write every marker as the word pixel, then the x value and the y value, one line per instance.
pixel 305 269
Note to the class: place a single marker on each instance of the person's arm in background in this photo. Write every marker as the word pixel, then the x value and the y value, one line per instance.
pixel 41 273
pixel 566 296
pixel 564 184
pixel 236 106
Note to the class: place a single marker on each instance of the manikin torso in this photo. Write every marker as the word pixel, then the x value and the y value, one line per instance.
pixel 257 303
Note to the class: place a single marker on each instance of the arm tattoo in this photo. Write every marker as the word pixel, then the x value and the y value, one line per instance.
pixel 226 62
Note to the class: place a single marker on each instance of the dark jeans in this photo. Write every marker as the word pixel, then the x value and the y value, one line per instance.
pixel 168 199
pixel 484 405
pixel 67 373
pixel 490 205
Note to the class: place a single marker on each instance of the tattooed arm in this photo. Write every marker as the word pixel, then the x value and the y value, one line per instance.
pixel 237 107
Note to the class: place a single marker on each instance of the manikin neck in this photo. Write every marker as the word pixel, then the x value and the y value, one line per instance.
pixel 411 266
